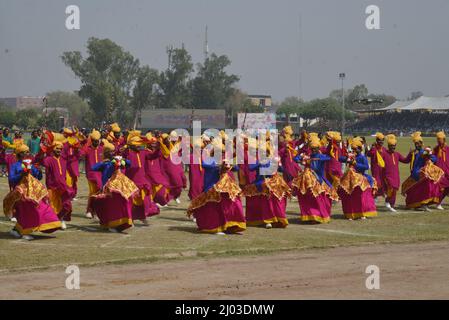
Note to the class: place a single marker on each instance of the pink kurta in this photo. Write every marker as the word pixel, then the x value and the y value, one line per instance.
pixel 442 154
pixel 157 178
pixel 196 176
pixel 72 156
pixel 93 156
pixel 263 209
pixel 332 168
pixel 143 206
pixel 175 174
pixel 376 170
pixel 55 180
pixel 291 168
pixel 226 215
pixel 391 177
pixel 113 211
pixel 32 217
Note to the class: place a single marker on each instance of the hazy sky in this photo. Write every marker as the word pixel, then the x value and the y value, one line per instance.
pixel 261 37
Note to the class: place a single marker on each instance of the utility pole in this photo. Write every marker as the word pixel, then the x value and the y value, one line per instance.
pixel 169 53
pixel 300 57
pixel 342 77
pixel 206 45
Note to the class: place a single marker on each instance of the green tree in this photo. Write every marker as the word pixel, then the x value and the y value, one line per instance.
pixel 7 117
pixel 175 84
pixel 51 121
pixel 358 93
pixel 326 110
pixel 27 118
pixel 289 106
pixel 107 76
pixel 143 92
pixel 78 109
pixel 212 86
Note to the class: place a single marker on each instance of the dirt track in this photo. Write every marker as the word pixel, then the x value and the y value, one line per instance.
pixel 412 271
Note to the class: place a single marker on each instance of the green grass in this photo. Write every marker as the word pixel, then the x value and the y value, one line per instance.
pixel 172 236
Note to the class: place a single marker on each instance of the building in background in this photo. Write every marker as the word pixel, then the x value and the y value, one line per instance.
pixel 24 102
pixel 263 101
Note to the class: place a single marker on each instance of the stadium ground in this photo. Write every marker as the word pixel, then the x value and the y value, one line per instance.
pixel 407 271
pixel 172 241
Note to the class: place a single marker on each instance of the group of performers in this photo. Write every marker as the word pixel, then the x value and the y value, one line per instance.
pixel 132 176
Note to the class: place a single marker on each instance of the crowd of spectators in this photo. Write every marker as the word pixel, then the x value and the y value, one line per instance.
pixel 402 122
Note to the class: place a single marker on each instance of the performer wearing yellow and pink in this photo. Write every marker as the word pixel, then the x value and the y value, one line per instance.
pixel 143 206
pixel 315 193
pixel 113 205
pixel 92 152
pixel 287 152
pixel 59 193
pixel 218 208
pixel 175 172
pixel 357 189
pixel 115 137
pixel 422 188
pixel 28 201
pixel 332 167
pixel 155 175
pixel 266 196
pixel 70 152
pixel 376 154
pixel 196 171
pixel 441 151
pixel 391 177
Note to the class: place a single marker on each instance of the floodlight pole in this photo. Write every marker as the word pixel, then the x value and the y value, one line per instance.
pixel 342 77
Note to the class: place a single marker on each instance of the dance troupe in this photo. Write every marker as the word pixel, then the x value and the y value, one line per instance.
pixel 132 176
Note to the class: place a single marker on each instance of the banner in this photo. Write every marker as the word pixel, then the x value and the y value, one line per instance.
pixel 256 121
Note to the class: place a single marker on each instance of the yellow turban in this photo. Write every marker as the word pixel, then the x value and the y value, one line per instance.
pixel 205 137
pixel 334 135
pixel 95 135
pixel 380 136
pixel 391 140
pixel 174 136
pixel 441 135
pixel 115 127
pixel 315 142
pixel 312 136
pixel 165 135
pixel 288 130
pixel 134 138
pixel 223 135
pixel 135 141
pixel 108 147
pixel 217 143
pixel 57 145
pixel 356 143
pixel 68 131
pixel 324 140
pixel 21 148
pixel 59 137
pixel 416 137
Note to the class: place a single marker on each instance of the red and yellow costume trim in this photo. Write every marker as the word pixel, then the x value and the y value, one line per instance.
pixel 224 185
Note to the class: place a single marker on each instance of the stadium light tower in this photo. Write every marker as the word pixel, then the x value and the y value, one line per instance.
pixel 342 77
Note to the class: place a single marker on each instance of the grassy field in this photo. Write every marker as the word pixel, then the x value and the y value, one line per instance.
pixel 172 236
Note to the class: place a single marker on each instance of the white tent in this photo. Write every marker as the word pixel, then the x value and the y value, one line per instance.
pixel 422 103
